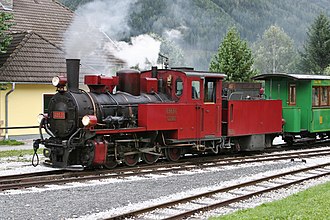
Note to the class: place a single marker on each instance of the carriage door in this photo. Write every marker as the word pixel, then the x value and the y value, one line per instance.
pixel 209 108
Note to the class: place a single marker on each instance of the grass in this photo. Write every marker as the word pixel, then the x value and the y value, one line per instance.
pixel 18 153
pixel 11 142
pixel 312 203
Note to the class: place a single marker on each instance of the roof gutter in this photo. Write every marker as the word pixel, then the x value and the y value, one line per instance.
pixel 6 108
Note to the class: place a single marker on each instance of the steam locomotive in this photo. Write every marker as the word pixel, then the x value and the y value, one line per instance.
pixel 142 116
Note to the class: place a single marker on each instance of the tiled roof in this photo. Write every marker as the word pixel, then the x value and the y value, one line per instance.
pixel 35 54
pixel 31 58
pixel 45 17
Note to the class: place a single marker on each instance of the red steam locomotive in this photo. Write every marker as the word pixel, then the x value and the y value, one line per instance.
pixel 152 114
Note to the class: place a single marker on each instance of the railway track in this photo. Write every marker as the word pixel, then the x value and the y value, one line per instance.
pixel 62 177
pixel 187 207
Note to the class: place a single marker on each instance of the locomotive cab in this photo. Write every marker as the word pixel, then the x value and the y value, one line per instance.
pixel 195 111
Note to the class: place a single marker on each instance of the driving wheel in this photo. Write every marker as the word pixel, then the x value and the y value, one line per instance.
pixel 149 158
pixel 173 154
pixel 131 160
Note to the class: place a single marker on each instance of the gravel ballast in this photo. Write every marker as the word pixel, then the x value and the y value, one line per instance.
pixel 85 200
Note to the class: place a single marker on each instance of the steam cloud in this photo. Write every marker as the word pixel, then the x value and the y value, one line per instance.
pixel 95 33
pixel 142 52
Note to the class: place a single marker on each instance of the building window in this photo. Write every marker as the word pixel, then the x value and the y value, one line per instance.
pixel 46 100
pixel 292 94
pixel 324 96
pixel 195 87
pixel 316 96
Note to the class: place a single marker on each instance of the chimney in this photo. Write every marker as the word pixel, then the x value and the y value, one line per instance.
pixel 72 74
pixel 154 72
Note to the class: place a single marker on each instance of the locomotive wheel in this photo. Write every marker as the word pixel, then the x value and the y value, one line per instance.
pixel 131 160
pixel 111 162
pixel 149 158
pixel 173 154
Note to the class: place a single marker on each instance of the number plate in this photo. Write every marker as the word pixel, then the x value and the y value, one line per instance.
pixel 59 115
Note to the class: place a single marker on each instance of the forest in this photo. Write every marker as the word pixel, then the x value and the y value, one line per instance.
pixel 202 24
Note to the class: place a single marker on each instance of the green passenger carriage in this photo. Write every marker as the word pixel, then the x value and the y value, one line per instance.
pixel 305 101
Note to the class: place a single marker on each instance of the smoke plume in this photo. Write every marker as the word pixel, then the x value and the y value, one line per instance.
pixel 95 33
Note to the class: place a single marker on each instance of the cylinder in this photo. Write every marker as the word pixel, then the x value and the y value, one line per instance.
pixel 129 81
pixel 72 71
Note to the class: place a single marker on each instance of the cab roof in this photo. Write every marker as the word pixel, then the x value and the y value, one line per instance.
pixel 205 74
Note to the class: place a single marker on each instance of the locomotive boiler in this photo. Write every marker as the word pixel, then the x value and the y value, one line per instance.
pixel 133 117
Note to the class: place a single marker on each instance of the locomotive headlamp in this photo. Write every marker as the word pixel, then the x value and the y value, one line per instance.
pixel 59 81
pixel 89 120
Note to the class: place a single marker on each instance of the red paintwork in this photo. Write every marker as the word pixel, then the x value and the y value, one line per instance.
pixel 188 118
pixel 100 152
pixel 118 131
pixel 246 117
pixel 169 77
pixel 92 79
pixel 129 81
pixel 186 121
pixel 92 120
pixel 63 81
pixel 59 115
pixel 101 84
pixel 149 85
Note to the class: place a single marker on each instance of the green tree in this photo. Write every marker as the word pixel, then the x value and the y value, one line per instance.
pixel 4 27
pixel 234 58
pixel 316 55
pixel 274 51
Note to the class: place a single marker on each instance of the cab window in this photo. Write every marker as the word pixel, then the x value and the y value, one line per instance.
pixel 195 87
pixel 178 87
pixel 209 93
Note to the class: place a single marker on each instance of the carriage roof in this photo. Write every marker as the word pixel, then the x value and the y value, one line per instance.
pixel 291 76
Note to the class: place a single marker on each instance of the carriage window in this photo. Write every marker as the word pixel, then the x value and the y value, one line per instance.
pixel 209 91
pixel 178 87
pixel 195 89
pixel 316 96
pixel 292 94
pixel 324 96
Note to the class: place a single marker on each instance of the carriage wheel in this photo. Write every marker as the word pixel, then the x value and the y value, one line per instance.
pixel 149 158
pixel 173 154
pixel 131 160
pixel 289 141
pixel 111 162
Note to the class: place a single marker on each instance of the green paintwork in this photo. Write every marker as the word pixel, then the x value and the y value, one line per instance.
pixel 320 82
pixel 320 120
pixel 292 118
pixel 302 116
